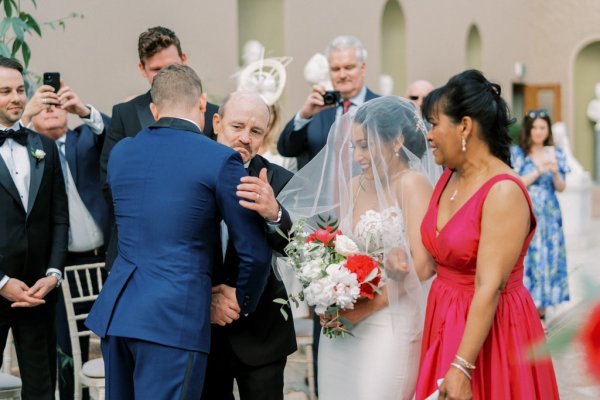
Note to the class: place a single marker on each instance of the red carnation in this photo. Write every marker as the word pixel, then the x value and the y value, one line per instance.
pixel 590 337
pixel 362 265
pixel 325 236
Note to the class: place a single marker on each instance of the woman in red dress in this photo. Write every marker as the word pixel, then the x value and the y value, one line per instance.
pixel 480 318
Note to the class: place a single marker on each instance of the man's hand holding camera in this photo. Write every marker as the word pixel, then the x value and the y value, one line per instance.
pixel 315 103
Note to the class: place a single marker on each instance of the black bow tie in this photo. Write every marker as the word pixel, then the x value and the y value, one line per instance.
pixel 19 136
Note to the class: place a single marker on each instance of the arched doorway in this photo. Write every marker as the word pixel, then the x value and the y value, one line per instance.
pixel 586 74
pixel 473 59
pixel 393 45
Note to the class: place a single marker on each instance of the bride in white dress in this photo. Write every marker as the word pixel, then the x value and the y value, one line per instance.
pixel 372 175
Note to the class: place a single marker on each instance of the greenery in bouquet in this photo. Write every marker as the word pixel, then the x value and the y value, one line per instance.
pixel 333 272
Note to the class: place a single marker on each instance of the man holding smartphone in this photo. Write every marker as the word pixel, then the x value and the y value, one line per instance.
pixel 306 134
pixel 79 151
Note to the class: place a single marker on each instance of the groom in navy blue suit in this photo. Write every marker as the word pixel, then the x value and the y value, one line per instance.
pixel 153 313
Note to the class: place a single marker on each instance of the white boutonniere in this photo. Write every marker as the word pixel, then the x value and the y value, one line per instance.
pixel 38 155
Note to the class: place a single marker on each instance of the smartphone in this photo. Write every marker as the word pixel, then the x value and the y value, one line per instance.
pixel 52 79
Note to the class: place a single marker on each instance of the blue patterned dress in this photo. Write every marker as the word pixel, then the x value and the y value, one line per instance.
pixel 546 260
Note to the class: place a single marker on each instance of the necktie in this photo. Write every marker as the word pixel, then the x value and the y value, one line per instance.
pixel 19 136
pixel 346 106
pixel 63 161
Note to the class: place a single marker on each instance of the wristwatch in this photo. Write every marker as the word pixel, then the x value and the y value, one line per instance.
pixel 58 277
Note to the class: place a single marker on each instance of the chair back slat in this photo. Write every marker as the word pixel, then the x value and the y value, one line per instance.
pixel 87 283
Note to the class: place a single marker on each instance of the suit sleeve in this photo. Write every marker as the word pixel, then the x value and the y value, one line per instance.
pixel 114 133
pixel 247 234
pixel 293 143
pixel 59 215
pixel 276 241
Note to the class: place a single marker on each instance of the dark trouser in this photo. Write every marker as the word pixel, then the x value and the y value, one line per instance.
pixel 263 382
pixel 136 369
pixel 34 334
pixel 66 383
pixel 315 348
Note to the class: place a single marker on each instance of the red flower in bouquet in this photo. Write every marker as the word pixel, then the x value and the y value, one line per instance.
pixel 590 338
pixel 362 265
pixel 325 236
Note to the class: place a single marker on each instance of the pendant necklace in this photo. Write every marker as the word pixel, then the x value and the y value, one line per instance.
pixel 454 194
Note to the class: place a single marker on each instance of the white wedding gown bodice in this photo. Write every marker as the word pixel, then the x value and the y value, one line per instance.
pixel 378 361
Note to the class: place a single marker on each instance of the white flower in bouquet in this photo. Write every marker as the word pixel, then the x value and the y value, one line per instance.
pixel 311 270
pixel 345 246
pixel 347 289
pixel 339 288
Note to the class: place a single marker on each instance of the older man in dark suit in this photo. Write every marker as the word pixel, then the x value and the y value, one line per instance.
pixel 253 349
pixel 158 47
pixel 34 225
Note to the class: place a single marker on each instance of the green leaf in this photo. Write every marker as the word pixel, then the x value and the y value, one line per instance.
pixel 4 50
pixel 7 8
pixel 346 323
pixel 26 53
pixel 17 26
pixel 28 18
pixel 280 301
pixel 15 47
pixel 4 25
pixel 280 232
pixel 371 275
pixel 283 313
pixel 34 3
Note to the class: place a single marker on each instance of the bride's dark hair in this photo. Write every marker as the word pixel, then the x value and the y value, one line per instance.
pixel 391 117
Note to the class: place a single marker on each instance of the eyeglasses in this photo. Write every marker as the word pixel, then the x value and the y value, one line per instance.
pixel 415 98
pixel 537 113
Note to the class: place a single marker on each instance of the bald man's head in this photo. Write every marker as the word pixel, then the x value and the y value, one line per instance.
pixel 242 122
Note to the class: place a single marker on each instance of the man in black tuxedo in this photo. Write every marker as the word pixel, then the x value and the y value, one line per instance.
pixel 158 47
pixel 34 225
pixel 79 150
pixel 253 349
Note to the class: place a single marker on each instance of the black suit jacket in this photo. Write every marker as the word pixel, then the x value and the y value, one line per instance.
pixel 263 336
pixel 33 239
pixel 82 151
pixel 306 142
pixel 127 120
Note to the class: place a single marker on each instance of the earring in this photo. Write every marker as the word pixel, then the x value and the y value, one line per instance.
pixel 464 144
pixel 397 153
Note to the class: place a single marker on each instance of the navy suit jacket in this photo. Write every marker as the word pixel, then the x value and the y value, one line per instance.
pixel 127 120
pixel 82 151
pixel 168 211
pixel 306 142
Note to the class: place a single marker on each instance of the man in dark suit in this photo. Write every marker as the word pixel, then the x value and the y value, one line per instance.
pixel 252 350
pixel 306 134
pixel 34 225
pixel 153 313
pixel 158 47
pixel 79 150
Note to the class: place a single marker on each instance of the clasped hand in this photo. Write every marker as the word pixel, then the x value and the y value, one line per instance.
pixel 396 263
pixel 224 308
pixel 21 295
pixel 455 386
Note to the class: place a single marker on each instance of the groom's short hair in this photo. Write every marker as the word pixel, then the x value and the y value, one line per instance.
pixel 176 86
pixel 155 40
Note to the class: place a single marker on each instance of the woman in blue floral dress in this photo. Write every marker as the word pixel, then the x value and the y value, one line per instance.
pixel 542 168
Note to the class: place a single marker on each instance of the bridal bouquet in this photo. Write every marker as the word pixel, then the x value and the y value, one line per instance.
pixel 333 272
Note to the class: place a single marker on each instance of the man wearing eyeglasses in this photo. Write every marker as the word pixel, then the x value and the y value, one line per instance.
pixel 417 91
pixel 306 134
